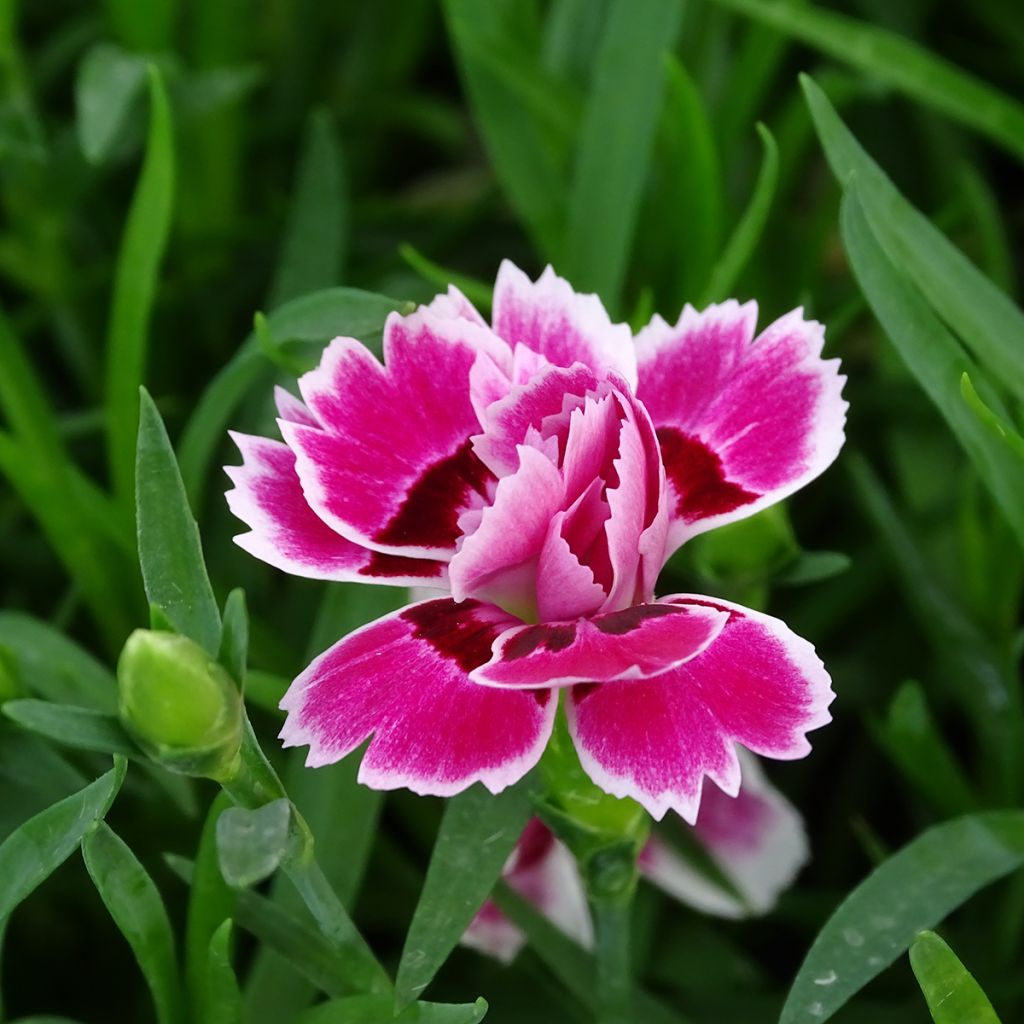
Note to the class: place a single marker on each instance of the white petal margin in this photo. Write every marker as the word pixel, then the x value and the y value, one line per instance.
pixel 757 839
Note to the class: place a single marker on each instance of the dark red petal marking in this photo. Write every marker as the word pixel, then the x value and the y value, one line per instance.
pixel 429 516
pixel 620 623
pixel 455 631
pixel 382 565
pixel 551 638
pixel 696 473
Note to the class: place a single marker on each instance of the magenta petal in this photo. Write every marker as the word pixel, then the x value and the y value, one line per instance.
pixel 742 423
pixel 756 838
pixel 559 324
pixel 520 416
pixel 453 305
pixel 544 872
pixel 392 468
pixel 655 739
pixel 403 681
pixel 641 641
pixel 291 409
pixel 287 533
pixel 566 588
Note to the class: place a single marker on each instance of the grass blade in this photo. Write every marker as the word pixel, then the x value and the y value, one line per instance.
pixel 375 1010
pixel 614 149
pixel 138 263
pixel 72 726
pixel 933 356
pixel 899 62
pixel 222 1003
pixel 316 237
pixel 913 890
pixel 477 834
pixel 170 552
pixel 138 911
pixel 34 850
pixel 747 233
pixel 982 315
pixel 952 994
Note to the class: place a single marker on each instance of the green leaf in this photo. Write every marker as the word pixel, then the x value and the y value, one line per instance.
pixel 983 316
pixel 813 567
pixel 913 890
pixel 986 416
pixel 147 26
pixel 138 911
pixel 222 1002
pixel 615 139
pixel 252 844
pixel 314 318
pixel 477 292
pixel 47 663
pixel 234 641
pixel 686 200
pixel 933 356
pixel 477 834
pixel 984 673
pixel 898 61
pixel 913 741
pixel 748 230
pixel 108 83
pixel 378 1010
pixel 211 902
pixel 34 850
pixel 511 97
pixel 952 994
pixel 316 234
pixel 170 552
pixel 570 963
pixel 138 263
pixel 72 726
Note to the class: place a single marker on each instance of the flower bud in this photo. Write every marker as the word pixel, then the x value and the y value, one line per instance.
pixel 181 707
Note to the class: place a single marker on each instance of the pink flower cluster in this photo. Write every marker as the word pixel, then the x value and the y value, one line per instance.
pixel 538 472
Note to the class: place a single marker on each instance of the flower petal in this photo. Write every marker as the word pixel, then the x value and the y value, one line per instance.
pixel 392 467
pixel 498 559
pixel 566 588
pixel 641 641
pixel 403 680
pixel 655 739
pixel 521 416
pixel 559 324
pixel 543 871
pixel 286 533
pixel 756 838
pixel 453 305
pixel 742 424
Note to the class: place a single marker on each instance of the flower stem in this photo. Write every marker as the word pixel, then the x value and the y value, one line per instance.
pixel 612 917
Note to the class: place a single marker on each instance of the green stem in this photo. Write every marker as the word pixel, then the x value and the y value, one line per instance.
pixel 612 918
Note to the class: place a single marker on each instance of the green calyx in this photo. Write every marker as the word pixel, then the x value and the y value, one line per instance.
pixel 181 707
pixel 603 832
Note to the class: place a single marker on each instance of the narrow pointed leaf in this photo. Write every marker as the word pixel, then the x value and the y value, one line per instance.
pixel 222 998
pixel 138 911
pixel 981 314
pixel 34 850
pixel 477 834
pixel 72 726
pixel 614 148
pixel 900 62
pixel 138 264
pixel 316 234
pixel 375 1010
pixel 234 641
pixel 952 994
pixel 914 889
pixel 108 83
pixel 997 427
pixel 170 552
pixel 934 357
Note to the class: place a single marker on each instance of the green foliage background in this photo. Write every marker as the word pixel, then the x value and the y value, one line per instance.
pixel 169 168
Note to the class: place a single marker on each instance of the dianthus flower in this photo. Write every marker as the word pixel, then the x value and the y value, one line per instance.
pixel 538 472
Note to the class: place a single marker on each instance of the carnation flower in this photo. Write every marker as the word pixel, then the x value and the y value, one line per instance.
pixel 538 472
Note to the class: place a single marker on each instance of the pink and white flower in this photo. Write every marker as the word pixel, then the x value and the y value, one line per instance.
pixel 538 472
pixel 756 840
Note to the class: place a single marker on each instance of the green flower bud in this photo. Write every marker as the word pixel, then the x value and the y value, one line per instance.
pixel 181 707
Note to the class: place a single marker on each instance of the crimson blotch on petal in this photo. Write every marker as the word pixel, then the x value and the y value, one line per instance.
pixel 539 471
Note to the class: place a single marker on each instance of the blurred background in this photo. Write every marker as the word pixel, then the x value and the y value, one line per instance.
pixel 660 154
